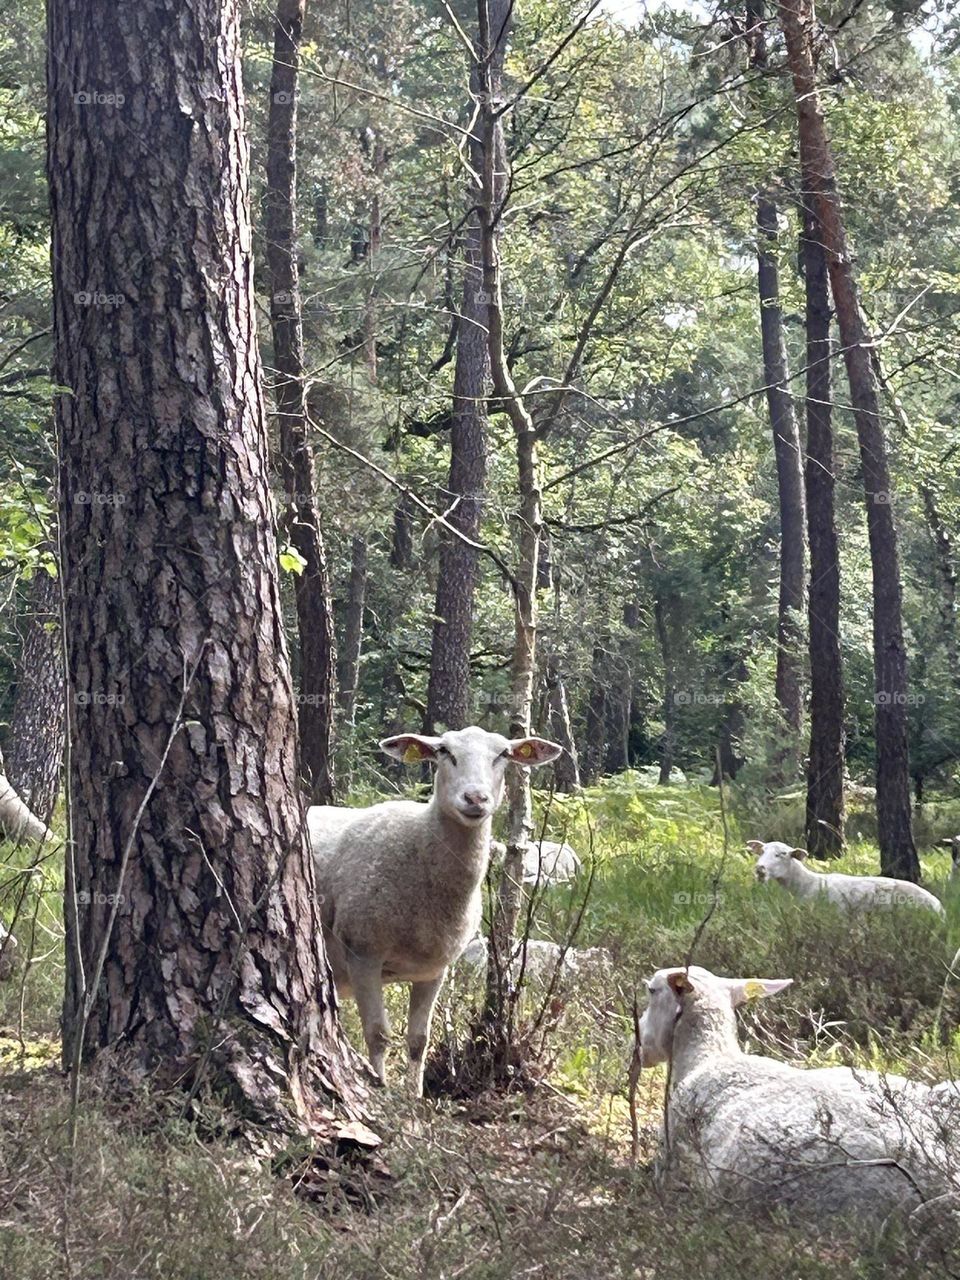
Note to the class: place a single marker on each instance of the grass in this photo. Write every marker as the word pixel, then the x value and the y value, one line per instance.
pixel 537 1185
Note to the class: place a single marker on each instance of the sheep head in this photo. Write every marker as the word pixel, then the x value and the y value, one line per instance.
pixel 470 767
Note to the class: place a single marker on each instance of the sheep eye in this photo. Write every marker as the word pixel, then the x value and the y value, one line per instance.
pixel 445 751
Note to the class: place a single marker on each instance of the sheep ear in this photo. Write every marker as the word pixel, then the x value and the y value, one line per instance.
pixel 411 748
pixel 799 854
pixel 755 846
pixel 744 989
pixel 533 751
pixel 679 982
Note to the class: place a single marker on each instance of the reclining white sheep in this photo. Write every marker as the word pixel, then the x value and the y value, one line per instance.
pixel 545 862
pixel 761 1132
pixel 539 958
pixel 783 864
pixel 400 882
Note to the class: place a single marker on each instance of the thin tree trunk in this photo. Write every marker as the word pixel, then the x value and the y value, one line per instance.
pixel 566 770
pixel 194 957
pixel 946 558
pixel 301 517
pixel 669 742
pixel 34 753
pixel 596 716
pixel 349 674
pixel 448 691
pixel 786 448
pixel 825 769
pixel 898 854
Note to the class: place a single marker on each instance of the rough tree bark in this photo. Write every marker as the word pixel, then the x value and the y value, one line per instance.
pixel 190 887
pixel 786 447
pixel 301 518
pixel 448 691
pixel 898 854
pixel 825 770
pixel 34 751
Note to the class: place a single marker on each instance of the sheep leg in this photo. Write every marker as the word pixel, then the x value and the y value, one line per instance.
pixel 423 998
pixel 366 981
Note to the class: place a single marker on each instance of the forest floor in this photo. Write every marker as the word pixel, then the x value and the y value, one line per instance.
pixel 539 1184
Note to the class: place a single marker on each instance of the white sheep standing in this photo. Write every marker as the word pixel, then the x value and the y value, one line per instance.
pixel 784 865
pixel 400 882
pixel 766 1134
pixel 545 862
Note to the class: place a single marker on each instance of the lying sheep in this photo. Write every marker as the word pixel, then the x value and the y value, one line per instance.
pixel 539 958
pixel 783 864
pixel 400 882
pixel 752 1129
pixel 545 862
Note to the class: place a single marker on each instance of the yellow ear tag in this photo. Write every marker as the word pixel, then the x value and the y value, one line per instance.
pixel 412 754
pixel 525 751
pixel 753 989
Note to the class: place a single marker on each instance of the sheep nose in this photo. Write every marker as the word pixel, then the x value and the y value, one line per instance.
pixel 761 874
pixel 476 796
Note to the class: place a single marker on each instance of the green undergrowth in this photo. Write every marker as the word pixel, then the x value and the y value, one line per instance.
pixel 537 1185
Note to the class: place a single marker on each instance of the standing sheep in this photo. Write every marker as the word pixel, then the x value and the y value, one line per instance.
pixel 400 882
pixel 783 864
pixel 760 1132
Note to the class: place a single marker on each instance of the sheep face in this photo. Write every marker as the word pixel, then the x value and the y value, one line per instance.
pixel 774 859
pixel 673 990
pixel 470 767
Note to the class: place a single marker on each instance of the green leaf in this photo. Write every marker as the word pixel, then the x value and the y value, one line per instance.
pixel 291 561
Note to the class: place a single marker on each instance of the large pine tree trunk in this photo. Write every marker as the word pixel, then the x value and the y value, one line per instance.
pixel 825 769
pixel 448 690
pixel 301 519
pixel 34 753
pixel 193 950
pixel 898 854
pixel 786 447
